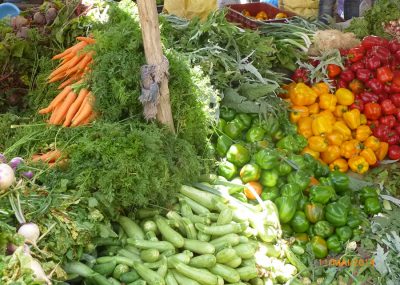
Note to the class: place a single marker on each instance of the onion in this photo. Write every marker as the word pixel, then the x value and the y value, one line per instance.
pixel 15 162
pixel 28 174
pixel 3 158
pixel 7 176
pixel 30 232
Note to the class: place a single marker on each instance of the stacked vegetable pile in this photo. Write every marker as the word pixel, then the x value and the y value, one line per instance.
pixel 337 134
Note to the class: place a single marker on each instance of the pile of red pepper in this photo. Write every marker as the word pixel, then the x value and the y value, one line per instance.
pixel 372 72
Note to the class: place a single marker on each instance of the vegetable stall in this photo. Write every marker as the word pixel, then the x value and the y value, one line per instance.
pixel 139 148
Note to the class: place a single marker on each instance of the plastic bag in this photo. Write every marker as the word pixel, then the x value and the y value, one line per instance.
pixel 190 9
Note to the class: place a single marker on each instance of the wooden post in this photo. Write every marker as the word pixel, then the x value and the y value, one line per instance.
pixel 154 56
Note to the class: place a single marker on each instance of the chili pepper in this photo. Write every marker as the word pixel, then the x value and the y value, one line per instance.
pixel 293 143
pixel 388 107
pixel 368 97
pixel 321 194
pixel 372 111
pixel 363 132
pixel 267 158
pixel 309 151
pixel 382 52
pixel 298 160
pixel 314 212
pixel 394 152
pixel 323 229
pixel 334 244
pixel 300 75
pixel 388 121
pixel 352 119
pixel 397 127
pixel 393 138
pixel 396 77
pixel 368 192
pixel 356 54
pixel 373 62
pixel 358 164
pixel 305 127
pixel 339 165
pixel 298 112
pixel 301 177
pixel 269 178
pixel 347 75
pixel 344 96
pixel 286 208
pixel 287 230
pixel 375 85
pixel 397 55
pixel 327 114
pixel 364 74
pixel 255 134
pixel 223 144
pixel 394 45
pixel 357 65
pixel 284 168
pixel 343 129
pixel 271 126
pixel 270 193
pixel 384 74
pixel 299 222
pixel 370 41
pixel 372 206
pixel 250 172
pixel 227 170
pixel 340 110
pixel 333 70
pixel 383 97
pixel 369 156
pixel 344 233
pixel 238 154
pixel 356 86
pixel 317 143
pixel 341 84
pixel 328 102
pixel 358 104
pixel 302 203
pixel 227 113
pixel 336 214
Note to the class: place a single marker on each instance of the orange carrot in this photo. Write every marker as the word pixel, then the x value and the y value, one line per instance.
pixel 54 114
pixel 85 112
pixel 45 110
pixel 50 156
pixel 60 97
pixel 60 55
pixel 64 68
pixel 77 47
pixel 57 77
pixel 69 81
pixel 86 39
pixel 62 111
pixel 75 107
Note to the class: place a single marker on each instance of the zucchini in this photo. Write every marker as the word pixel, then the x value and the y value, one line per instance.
pixel 168 233
pixel 227 240
pixel 199 219
pixel 199 247
pixel 148 275
pixel 247 273
pixel 176 218
pixel 138 282
pixel 146 244
pixel 249 262
pixel 257 281
pixel 128 254
pixel 270 250
pixel 190 230
pixel 225 255
pixel 294 260
pixel 185 209
pixel 203 276
pixel 196 207
pixel 132 249
pixel 163 269
pixel 205 199
pixel 203 261
pixel 150 255
pixel 235 262
pixel 168 253
pixel 244 239
pixel 149 226
pixel 129 277
pixel 150 235
pixel 222 229
pixel 268 234
pixel 105 269
pixel 146 213
pixel 212 216
pixel 245 250
pixel 131 229
pixel 118 259
pixel 183 257
pixel 227 273
pixel 203 237
pixel 183 280
pixel 170 279
pixel 220 280
pixel 119 270
pixel 153 265
pixel 225 217
pixel 114 281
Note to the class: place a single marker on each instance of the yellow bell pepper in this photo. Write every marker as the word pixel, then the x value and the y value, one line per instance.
pixel 321 88
pixel 339 110
pixel 363 119
pixel 348 149
pixel 343 129
pixel 369 156
pixel 329 115
pixel 358 164
pixel 372 143
pixel 321 125
pixel 313 108
pixel 352 118
pixel 335 138
pixel 382 151
pixel 344 96
pixel 327 102
pixel 302 95
pixel 311 152
pixel 317 143
pixel 331 154
pixel 298 112
pixel 363 132
pixel 339 164
pixel 304 127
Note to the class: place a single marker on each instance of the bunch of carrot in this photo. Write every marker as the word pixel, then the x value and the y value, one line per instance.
pixel 52 158
pixel 69 108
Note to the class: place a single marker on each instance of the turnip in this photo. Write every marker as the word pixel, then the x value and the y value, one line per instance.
pixel 3 158
pixel 7 176
pixel 51 15
pixel 38 271
pixel 18 22
pixel 39 18
pixel 15 162
pixel 23 32
pixel 28 174
pixel 30 232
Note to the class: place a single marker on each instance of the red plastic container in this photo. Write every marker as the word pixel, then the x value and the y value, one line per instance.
pixel 235 14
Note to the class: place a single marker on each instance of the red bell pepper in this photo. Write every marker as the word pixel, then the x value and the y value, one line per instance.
pixel 356 86
pixel 373 62
pixel 370 41
pixel 398 115
pixel 347 75
pixel 394 152
pixel 372 111
pixel 358 104
pixel 356 54
pixel 357 65
pixel 397 55
pixel 396 78
pixel 388 107
pixel 333 70
pixel 363 74
pixel 300 75
pixel 383 97
pixel 373 124
pixel 394 88
pixel 381 132
pixel 341 84
pixel 367 97
pixel 393 138
pixel 388 121
pixel 394 45
pixel 344 52
pixel 314 62
pixel 395 99
pixel 387 88
pixel 384 74
pixel 375 85
pixel 397 129
pixel 382 53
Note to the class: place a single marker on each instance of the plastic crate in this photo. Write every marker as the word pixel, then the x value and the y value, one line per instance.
pixel 235 14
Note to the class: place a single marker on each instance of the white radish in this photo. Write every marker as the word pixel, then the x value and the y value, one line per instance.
pixel 7 176
pixel 39 272
pixel 30 232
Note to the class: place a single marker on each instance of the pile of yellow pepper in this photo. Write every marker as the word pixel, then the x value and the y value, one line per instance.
pixel 336 135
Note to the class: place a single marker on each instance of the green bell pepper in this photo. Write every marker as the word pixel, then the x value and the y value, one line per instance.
pixel 354 219
pixel 278 135
pixel 340 181
pixel 255 134
pixel 269 178
pixel 271 125
pixel 286 208
pixel 321 194
pixel 319 247
pixel 372 206
pixel 321 170
pixel 220 125
pixel 287 230
pixel 334 244
pixel 284 168
pixel 291 190
pixel 227 169
pixel 238 154
pixel 233 130
pixel 299 223
pixel 301 177
pixel 250 172
pixel 227 113
pixel 323 229
pixel 270 193
pixel 302 238
pixel 298 160
pixel 267 158
pixel 240 196
pixel 325 181
pixel 292 143
pixel 345 201
pixel 314 212
pixel 262 144
pixel 336 214
pixel 368 192
pixel 244 119
pixel 223 145
pixel 310 162
pixel 344 233
pixel 303 201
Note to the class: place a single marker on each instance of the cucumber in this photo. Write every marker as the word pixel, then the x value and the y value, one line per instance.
pixel 199 247
pixel 163 269
pixel 128 254
pixel 148 275
pixel 227 240
pixel 129 277
pixel 119 270
pixel 196 207
pixel 183 257
pixel 105 269
pixel 131 228
pixel 235 262
pixel 168 233
pixel 225 217
pixel 203 261
pixel 227 273
pixel 222 229
pixel 183 280
pixel 113 281
pixel 146 213
pixel 149 226
pixel 118 259
pixel 150 255
pixel 138 282
pixel 245 250
pixel 247 273
pixel 203 237
pixel 225 255
pixel 202 276
pixel 147 244
pixel 170 279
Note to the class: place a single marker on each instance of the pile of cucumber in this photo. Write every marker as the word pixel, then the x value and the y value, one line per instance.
pixel 205 239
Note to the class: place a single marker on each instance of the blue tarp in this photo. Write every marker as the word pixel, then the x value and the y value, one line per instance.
pixel 8 9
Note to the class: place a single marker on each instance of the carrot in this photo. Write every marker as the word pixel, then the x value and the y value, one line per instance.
pixel 70 80
pixel 60 55
pixel 54 114
pixel 64 68
pixel 50 156
pixel 85 112
pixel 60 97
pixel 75 107
pixel 62 111
pixel 45 110
pixel 77 47
pixel 57 77
pixel 86 40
